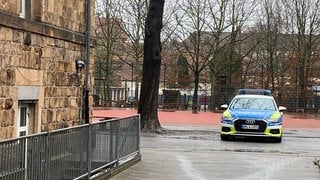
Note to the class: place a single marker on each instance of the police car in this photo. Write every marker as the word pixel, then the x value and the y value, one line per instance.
pixel 253 112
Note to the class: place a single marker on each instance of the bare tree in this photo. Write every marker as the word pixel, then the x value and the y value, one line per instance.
pixel 303 20
pixel 133 14
pixel 239 44
pixel 131 17
pixel 214 40
pixel 148 103
pixel 192 45
pixel 231 47
pixel 110 40
pixel 269 63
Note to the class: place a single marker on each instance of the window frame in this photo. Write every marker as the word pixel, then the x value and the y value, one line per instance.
pixel 25 9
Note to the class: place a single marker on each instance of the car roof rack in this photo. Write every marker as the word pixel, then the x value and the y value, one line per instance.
pixel 255 91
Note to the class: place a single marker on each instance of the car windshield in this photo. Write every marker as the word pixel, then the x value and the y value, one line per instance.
pixel 253 103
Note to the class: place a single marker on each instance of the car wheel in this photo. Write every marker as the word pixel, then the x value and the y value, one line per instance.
pixel 277 140
pixel 225 137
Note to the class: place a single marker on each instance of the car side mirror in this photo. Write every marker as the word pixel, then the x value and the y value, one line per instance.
pixel 282 108
pixel 224 106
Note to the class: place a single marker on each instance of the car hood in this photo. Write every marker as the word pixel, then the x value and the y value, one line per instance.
pixel 251 114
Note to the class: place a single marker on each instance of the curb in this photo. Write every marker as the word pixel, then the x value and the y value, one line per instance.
pixel 118 169
pixel 316 161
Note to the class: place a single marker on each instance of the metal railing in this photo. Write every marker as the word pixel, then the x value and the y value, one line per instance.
pixel 79 152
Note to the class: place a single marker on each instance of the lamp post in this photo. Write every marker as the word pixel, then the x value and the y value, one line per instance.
pixel 132 85
pixel 86 89
pixel 87 61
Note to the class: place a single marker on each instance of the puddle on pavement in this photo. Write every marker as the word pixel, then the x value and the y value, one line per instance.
pixel 260 151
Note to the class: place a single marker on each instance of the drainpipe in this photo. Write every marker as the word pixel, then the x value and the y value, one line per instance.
pixel 87 61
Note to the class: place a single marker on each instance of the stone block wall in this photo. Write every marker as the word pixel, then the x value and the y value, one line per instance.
pixel 38 54
pixel 10 6
pixel 67 14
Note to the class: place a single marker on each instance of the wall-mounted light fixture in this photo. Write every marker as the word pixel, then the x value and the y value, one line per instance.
pixel 79 65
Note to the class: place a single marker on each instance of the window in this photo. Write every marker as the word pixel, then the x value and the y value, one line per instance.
pixel 25 9
pixel 253 104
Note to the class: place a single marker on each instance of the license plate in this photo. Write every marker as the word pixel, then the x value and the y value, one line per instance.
pixel 246 126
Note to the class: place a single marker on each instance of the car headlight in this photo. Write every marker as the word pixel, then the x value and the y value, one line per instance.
pixel 226 115
pixel 275 117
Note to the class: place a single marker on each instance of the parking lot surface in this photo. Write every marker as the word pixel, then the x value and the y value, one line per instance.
pixel 191 149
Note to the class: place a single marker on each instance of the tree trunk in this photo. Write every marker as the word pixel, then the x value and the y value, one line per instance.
pixel 148 103
pixel 195 105
pixel 213 104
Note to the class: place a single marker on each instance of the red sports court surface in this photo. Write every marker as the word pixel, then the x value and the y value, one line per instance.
pixel 187 118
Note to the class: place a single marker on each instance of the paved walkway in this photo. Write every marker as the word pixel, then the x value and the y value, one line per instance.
pixel 187 118
pixel 174 158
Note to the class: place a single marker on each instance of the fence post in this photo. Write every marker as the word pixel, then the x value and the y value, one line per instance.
pixel 112 142
pixel 138 138
pixel 47 157
pixel 89 154
pixel 117 141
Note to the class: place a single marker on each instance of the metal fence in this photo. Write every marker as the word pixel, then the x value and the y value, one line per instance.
pixel 79 152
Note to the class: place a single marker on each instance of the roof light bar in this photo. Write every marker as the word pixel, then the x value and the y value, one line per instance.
pixel 255 91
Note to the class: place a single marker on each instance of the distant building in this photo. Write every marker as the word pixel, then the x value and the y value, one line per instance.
pixel 41 87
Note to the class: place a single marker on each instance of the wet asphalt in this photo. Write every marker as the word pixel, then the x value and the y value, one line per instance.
pixel 191 149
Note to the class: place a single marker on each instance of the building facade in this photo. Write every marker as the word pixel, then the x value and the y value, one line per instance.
pixel 41 85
